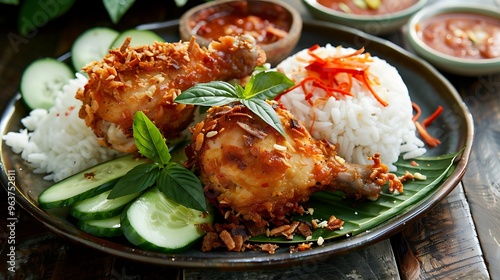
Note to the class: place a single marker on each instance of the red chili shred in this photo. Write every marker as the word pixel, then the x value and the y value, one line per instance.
pixel 422 128
pixel 335 74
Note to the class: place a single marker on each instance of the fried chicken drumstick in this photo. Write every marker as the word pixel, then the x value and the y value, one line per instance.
pixel 148 78
pixel 251 172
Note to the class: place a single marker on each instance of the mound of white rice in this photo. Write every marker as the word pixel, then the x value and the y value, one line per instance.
pixel 57 141
pixel 359 125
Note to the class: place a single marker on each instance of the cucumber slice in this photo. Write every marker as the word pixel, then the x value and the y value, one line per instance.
pixel 139 38
pixel 41 81
pixel 154 222
pixel 92 45
pixel 100 207
pixel 87 183
pixel 109 227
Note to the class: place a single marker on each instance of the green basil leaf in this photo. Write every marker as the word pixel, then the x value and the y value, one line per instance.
pixel 136 180
pixel 209 94
pixel 9 2
pixel 149 140
pixel 266 112
pixel 30 19
pixel 363 215
pixel 117 8
pixel 262 86
pixel 182 186
pixel 240 91
pixel 267 85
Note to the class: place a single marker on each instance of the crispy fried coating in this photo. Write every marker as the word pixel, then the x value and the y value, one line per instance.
pixel 254 174
pixel 148 79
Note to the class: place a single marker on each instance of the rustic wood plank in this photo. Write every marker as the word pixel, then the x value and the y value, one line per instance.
pixel 373 262
pixel 126 269
pixel 482 179
pixel 443 244
pixel 40 254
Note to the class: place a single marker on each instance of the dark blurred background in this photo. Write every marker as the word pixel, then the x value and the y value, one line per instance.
pixel 17 52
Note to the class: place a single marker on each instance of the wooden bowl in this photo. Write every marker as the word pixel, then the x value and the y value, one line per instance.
pixel 209 20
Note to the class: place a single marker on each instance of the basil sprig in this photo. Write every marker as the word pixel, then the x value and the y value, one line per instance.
pixel 172 179
pixel 261 87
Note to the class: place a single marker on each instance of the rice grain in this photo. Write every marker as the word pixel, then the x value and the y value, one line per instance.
pixel 359 125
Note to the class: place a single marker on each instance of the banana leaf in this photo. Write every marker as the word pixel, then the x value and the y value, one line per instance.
pixel 361 216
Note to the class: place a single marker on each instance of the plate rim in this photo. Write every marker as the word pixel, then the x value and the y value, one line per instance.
pixel 318 253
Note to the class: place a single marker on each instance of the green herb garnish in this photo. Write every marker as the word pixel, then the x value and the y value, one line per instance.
pixel 172 179
pixel 30 11
pixel 261 87
pixel 116 9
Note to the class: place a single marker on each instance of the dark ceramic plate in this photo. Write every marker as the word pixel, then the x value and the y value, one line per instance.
pixel 427 87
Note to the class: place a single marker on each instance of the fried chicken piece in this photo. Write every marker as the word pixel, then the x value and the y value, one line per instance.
pixel 253 174
pixel 148 78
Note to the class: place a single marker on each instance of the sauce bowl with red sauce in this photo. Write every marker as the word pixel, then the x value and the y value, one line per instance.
pixel 377 17
pixel 462 39
pixel 275 25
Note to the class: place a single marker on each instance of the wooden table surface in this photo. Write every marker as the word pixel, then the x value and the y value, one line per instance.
pixel 458 239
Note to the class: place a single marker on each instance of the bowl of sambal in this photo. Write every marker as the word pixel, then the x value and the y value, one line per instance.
pixel 275 25
pixel 462 39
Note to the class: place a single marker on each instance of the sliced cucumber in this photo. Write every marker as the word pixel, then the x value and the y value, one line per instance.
pixel 92 45
pixel 157 223
pixel 100 207
pixel 88 183
pixel 109 227
pixel 41 81
pixel 139 38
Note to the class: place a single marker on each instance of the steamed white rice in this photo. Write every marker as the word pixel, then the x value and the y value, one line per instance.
pixel 57 142
pixel 359 125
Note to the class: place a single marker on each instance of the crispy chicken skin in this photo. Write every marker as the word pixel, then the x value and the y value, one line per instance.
pixel 251 172
pixel 148 78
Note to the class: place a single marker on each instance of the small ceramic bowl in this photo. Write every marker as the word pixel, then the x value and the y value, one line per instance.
pixel 448 59
pixel 275 14
pixel 375 24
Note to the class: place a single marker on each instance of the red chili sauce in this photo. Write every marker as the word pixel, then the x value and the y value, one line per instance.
pixel 266 26
pixel 471 36
pixel 368 7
